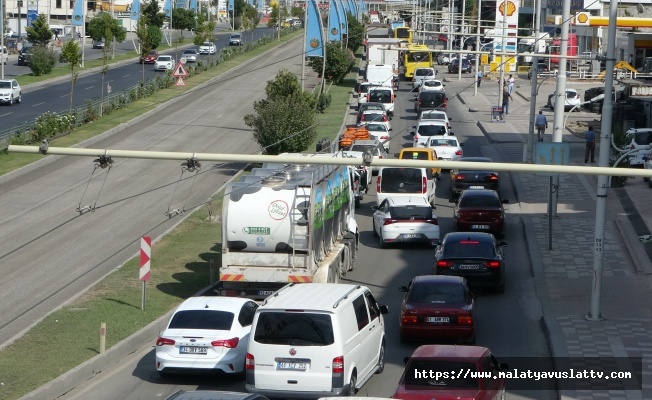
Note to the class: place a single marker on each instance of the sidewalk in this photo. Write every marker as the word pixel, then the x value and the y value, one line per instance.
pixel 563 275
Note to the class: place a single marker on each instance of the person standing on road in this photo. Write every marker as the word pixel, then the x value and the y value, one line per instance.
pixel 479 77
pixel 541 122
pixel 506 98
pixel 589 137
pixel 511 84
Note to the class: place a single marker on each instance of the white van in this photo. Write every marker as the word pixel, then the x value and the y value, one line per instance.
pixel 312 340
pixel 380 75
pixel 404 182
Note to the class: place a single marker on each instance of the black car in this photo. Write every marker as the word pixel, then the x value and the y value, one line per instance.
pixel 25 55
pixel 430 100
pixel 474 179
pixel 214 395
pixel 476 256
pixel 542 68
pixel 453 66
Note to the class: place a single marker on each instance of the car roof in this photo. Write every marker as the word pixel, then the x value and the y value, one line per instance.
pixel 449 351
pixel 432 122
pixel 222 303
pixel 416 149
pixel 212 395
pixel 408 200
pixel 443 279
pixel 311 296
pixel 476 159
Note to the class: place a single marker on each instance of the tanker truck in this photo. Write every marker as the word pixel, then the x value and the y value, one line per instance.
pixel 287 223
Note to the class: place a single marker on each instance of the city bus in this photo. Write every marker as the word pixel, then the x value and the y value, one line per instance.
pixel 404 33
pixel 416 56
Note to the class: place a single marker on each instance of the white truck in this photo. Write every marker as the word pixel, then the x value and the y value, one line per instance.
pixel 381 74
pixel 384 51
pixel 531 44
pixel 287 223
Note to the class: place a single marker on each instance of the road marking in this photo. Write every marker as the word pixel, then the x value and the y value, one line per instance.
pixel 65 95
pixel 38 104
pixel 125 76
pixel 4 115
pixel 90 87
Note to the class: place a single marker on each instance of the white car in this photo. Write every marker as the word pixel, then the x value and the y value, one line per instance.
pixel 640 139
pixel 10 92
pixel 164 63
pixel 435 115
pixel 208 333
pixel 431 84
pixel 359 147
pixel 383 95
pixel 380 131
pixel 443 59
pixel 405 220
pixel 421 74
pixel 425 129
pixel 572 100
pixel 207 48
pixel 448 148
pixel 190 55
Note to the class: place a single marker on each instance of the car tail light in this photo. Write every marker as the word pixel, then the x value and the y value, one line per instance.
pixel 444 264
pixel 465 320
pixel 433 221
pixel 492 264
pixel 368 96
pixel 493 177
pixel 409 319
pixel 384 117
pixel 414 79
pixel 424 185
pixel 228 343
pixel 161 341
pixel 458 153
pixel 378 184
pixel 338 365
pixel 388 221
pixel 384 137
pixel 249 361
pixel 459 177
pixel 419 103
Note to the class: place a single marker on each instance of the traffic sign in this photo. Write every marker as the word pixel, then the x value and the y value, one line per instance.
pixel 550 153
pixel 180 81
pixel 183 60
pixel 180 71
pixel 145 256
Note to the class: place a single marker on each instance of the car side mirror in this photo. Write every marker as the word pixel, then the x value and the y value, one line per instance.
pixel 402 289
pixel 383 309
pixel 502 244
pixel 452 134
pixel 505 201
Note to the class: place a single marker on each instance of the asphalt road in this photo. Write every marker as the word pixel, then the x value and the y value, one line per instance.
pixel 49 252
pixel 507 323
pixel 55 96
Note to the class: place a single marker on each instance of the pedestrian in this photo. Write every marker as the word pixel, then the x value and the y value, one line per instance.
pixel 511 83
pixel 506 98
pixel 479 77
pixel 541 123
pixel 630 60
pixel 589 138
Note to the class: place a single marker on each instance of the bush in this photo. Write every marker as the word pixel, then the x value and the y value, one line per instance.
pixel 338 62
pixel 42 61
pixel 323 102
pixel 90 113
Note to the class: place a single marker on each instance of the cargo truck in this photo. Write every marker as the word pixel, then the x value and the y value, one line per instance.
pixel 287 223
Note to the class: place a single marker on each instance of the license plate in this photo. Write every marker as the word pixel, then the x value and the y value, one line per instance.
pixel 468 266
pixel 437 319
pixel 476 187
pixel 193 350
pixel 479 226
pixel 292 366
pixel 411 235
pixel 265 292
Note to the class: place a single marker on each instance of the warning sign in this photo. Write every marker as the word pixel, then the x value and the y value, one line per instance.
pixel 180 81
pixel 180 71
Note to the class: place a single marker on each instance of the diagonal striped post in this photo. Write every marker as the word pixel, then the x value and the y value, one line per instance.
pixel 144 271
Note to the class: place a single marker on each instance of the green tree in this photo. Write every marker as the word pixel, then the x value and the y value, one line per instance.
pixel 286 85
pixel 145 40
pixel 356 32
pixel 39 33
pixel 42 60
pixel 155 36
pixel 153 14
pixel 71 56
pixel 183 19
pixel 297 12
pixel 250 19
pixel 338 62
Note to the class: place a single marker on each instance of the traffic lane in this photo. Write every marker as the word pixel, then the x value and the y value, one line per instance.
pixel 64 252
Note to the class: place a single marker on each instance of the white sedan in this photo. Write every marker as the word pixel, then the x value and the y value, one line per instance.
pixel 206 333
pixel 207 48
pixel 448 148
pixel 164 63
pixel 435 115
pixel 572 100
pixel 431 84
pixel 407 219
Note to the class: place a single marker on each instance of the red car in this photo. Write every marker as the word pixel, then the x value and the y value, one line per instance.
pixel 479 210
pixel 437 307
pixel 149 58
pixel 449 369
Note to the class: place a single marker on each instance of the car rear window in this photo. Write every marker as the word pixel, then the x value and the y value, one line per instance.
pixel 413 375
pixel 202 319
pixel 468 248
pixel 294 328
pixel 415 155
pixel 380 96
pixel 376 128
pixel 571 95
pixel 431 96
pixel 411 212
pixel 424 72
pixel 401 180
pixel 364 88
pixel 433 115
pixel 444 142
pixel 373 107
pixel 431 130
pixel 479 201
pixel 364 147
pixel 437 294
pixel 643 138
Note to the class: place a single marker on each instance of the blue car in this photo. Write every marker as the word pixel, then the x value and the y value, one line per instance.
pixel 453 66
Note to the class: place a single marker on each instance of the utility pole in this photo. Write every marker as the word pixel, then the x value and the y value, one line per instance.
pixel 533 88
pixel 113 41
pixel 2 39
pixel 83 32
pixel 503 58
pixel 477 47
pixel 459 56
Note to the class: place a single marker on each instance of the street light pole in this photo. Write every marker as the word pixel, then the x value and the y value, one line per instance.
pixel 2 39
pixel 477 47
pixel 534 90
pixel 503 57
pixel 459 57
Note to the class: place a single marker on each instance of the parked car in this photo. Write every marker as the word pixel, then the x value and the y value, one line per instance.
pixel 408 219
pixel 446 360
pixel 424 130
pixel 461 180
pixel 448 148
pixel 380 131
pixel 207 48
pixel 10 92
pixel 640 139
pixel 213 395
pixel 479 210
pixel 421 74
pixel 443 59
pixel 164 63
pixel 476 256
pixel 25 55
pixel 206 333
pixel 150 58
pixel 190 55
pixel 454 65
pixel 430 100
pixel 235 39
pixel 572 100
pixel 437 307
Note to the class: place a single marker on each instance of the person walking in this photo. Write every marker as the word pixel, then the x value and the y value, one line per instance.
pixel 589 138
pixel 506 98
pixel 541 123
pixel 511 83
pixel 479 77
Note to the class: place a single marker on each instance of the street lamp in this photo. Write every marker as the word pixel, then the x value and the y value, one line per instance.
pixel 593 100
pixel 625 155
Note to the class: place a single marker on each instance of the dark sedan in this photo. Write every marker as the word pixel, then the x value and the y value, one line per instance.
pixel 479 210
pixel 476 256
pixel 454 65
pixel 474 179
pixel 437 308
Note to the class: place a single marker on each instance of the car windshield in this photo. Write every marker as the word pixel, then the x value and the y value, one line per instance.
pixel 206 44
pixel 424 72
pixel 411 212
pixel 364 147
pixel 401 180
pixel 443 142
pixel 415 155
pixel 380 96
pixel 202 319
pixel 413 377
pixel 468 248
pixel 153 53
pixel 164 58
pixel 235 36
pixel 189 52
pixel 431 130
pixel 5 85
pixel 294 328
pixel 643 138
pixel 479 201
pixel 376 128
pixel 437 294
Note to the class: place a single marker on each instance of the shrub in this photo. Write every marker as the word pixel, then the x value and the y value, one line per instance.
pixel 42 61
pixel 323 102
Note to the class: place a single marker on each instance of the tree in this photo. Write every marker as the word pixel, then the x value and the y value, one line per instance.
pixel 250 19
pixel 71 55
pixel 183 19
pixel 355 33
pixel 286 85
pixel 146 45
pixel 42 60
pixel 155 36
pixel 39 33
pixel 338 62
pixel 297 12
pixel 153 14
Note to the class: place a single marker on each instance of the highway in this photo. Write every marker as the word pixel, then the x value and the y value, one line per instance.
pixel 509 323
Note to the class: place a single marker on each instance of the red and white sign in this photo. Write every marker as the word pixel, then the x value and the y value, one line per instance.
pixel 180 81
pixel 180 71
pixel 145 257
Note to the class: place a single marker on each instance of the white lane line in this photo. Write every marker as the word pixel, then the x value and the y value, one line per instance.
pixel 90 87
pixel 4 115
pixel 38 104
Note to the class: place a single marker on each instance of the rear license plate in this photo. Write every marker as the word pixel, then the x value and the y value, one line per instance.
pixel 468 266
pixel 476 187
pixel 479 226
pixel 292 366
pixel 193 350
pixel 437 319
pixel 411 235
pixel 265 292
